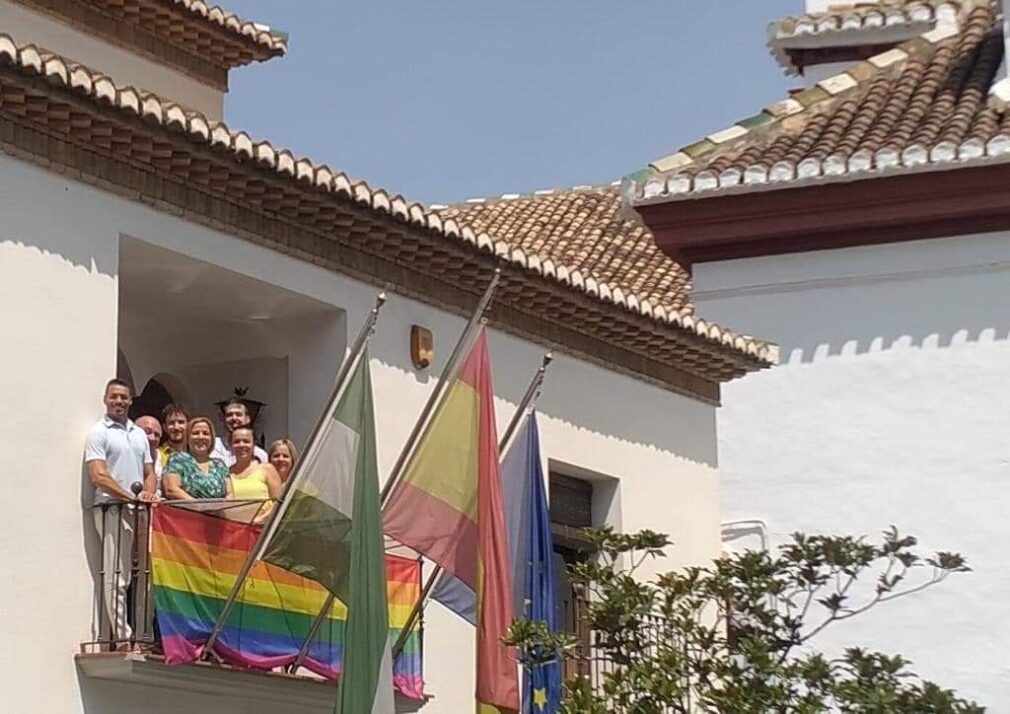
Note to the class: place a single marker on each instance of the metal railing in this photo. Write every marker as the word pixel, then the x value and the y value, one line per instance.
pixel 123 613
pixel 593 661
pixel 124 609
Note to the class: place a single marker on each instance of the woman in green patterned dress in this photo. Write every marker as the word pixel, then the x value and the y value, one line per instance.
pixel 193 474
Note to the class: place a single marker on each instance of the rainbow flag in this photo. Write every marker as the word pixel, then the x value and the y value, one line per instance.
pixel 449 508
pixel 195 557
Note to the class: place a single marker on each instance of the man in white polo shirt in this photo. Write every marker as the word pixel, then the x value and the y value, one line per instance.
pixel 117 455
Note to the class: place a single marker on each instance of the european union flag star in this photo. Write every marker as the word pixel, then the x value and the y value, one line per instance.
pixel 540 698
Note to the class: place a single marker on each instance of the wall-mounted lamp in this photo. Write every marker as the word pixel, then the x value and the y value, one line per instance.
pixel 422 346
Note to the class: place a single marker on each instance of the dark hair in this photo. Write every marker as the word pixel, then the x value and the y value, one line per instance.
pixel 116 382
pixel 236 401
pixel 173 408
pixel 247 427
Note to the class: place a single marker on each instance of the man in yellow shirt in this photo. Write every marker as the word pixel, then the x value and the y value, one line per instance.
pixel 174 419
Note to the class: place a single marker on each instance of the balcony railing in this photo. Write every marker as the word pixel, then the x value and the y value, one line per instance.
pixel 130 623
pixel 125 621
pixel 592 662
pixel 125 611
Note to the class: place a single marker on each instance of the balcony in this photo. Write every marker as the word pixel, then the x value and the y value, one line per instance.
pixel 139 652
pixel 302 693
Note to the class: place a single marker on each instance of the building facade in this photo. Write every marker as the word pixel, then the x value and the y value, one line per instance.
pixel 140 236
pixel 862 225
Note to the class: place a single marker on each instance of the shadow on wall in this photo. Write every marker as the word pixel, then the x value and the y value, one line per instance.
pixel 587 397
pixel 80 256
pixel 818 322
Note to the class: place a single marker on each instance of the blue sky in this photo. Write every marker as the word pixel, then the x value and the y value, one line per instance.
pixel 443 100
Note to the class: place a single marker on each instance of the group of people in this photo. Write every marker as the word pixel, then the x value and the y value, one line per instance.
pixel 176 457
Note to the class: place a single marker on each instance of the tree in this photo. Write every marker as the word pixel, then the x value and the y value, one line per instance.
pixel 731 637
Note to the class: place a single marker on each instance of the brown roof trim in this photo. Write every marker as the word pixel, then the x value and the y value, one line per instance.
pixel 72 119
pixel 804 57
pixel 901 207
pixel 200 40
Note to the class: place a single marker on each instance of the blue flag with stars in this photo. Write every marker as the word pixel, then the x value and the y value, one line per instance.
pixel 531 547
pixel 541 684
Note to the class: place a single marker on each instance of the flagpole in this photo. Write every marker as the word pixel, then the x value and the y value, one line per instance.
pixel 267 532
pixel 528 401
pixel 462 346
pixel 529 398
pixel 451 367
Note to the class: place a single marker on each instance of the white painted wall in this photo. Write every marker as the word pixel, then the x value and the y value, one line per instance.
pixel 59 242
pixel 127 68
pixel 891 406
pixel 58 311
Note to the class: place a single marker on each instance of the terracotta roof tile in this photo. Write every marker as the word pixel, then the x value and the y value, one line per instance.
pixel 875 19
pixel 201 29
pixel 586 230
pixel 928 102
pixel 269 43
pixel 550 249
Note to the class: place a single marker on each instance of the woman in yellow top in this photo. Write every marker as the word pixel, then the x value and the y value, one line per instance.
pixel 249 478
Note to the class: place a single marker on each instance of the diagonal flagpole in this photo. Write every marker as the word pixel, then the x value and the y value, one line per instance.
pixel 525 405
pixel 267 532
pixel 452 366
pixel 463 344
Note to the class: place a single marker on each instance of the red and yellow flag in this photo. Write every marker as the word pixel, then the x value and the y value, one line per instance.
pixel 449 508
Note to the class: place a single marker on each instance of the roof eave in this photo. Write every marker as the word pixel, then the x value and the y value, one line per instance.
pixel 782 44
pixel 688 355
pixel 895 206
pixel 861 166
pixel 264 42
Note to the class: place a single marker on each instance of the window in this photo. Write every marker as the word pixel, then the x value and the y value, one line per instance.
pixel 571 507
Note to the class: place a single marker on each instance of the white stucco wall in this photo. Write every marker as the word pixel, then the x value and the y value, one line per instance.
pixel 59 241
pixel 58 308
pixel 128 68
pixel 891 407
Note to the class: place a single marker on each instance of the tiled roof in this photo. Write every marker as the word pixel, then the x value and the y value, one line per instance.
pixel 275 42
pixel 928 104
pixel 90 109
pixel 192 25
pixel 869 20
pixel 586 229
pixel 263 41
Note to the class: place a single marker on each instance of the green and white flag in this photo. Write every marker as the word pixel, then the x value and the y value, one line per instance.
pixel 331 532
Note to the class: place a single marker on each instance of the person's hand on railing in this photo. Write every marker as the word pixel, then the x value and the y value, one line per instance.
pixel 140 494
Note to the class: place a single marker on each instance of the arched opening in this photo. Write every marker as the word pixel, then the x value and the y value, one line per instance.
pixel 152 400
pixel 160 390
pixel 123 371
pixel 180 392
